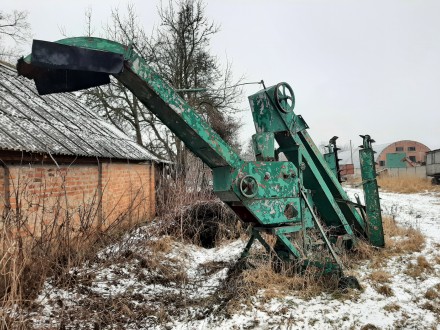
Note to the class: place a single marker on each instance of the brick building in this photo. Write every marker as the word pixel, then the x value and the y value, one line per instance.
pixel 402 154
pixel 400 158
pixel 58 159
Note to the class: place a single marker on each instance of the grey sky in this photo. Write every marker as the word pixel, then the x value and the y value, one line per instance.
pixel 356 67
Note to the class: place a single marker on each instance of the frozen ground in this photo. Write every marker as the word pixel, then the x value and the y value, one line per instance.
pixel 421 211
pixel 133 286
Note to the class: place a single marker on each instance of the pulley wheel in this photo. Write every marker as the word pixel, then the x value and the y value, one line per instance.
pixel 249 186
pixel 284 97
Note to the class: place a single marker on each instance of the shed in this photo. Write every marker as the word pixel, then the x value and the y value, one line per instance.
pixel 60 159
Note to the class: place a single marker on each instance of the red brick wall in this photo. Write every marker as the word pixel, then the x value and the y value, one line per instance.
pixel 43 193
pixel 128 190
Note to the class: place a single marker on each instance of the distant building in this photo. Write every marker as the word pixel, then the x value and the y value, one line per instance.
pixel 402 154
pixel 400 157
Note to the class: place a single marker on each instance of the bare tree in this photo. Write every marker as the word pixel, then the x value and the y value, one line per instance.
pixel 248 152
pixel 179 51
pixel 15 27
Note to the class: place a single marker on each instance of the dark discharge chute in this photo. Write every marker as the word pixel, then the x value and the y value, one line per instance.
pixel 59 68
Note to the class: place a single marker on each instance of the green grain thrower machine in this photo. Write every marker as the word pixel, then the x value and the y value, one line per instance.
pixel 299 200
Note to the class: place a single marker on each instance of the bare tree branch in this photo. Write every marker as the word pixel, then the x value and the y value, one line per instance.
pixel 178 49
pixel 15 27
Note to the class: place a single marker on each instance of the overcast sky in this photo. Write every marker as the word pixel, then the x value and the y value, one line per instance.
pixel 356 67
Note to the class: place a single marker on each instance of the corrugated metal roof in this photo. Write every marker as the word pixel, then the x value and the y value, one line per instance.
pixel 57 123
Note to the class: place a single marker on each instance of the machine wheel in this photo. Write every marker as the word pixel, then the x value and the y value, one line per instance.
pixel 284 97
pixel 249 186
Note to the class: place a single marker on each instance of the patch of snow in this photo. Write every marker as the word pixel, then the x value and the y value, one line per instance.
pixel 420 211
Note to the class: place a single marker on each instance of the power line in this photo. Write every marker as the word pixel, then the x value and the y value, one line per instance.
pixel 194 90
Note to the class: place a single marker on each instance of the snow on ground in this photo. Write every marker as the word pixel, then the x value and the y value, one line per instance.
pixel 326 311
pixel 420 211
pixel 137 279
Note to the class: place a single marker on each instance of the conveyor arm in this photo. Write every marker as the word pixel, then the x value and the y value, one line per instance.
pixel 87 60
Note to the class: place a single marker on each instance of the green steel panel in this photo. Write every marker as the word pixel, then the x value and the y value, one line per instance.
pixel 330 158
pixel 272 211
pixel 265 119
pixel 371 192
pixel 274 179
pixel 396 160
pixel 264 146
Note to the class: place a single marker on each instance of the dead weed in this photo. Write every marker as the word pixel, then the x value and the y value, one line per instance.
pixel 406 184
pixel 380 276
pixel 416 270
pixel 384 290
pixel 392 307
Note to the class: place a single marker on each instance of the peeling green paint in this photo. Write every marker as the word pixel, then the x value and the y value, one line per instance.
pixel 264 146
pixel 371 192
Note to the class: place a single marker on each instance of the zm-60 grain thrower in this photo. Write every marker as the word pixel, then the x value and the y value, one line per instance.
pixel 300 200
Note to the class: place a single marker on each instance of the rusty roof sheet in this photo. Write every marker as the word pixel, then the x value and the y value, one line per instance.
pixel 57 124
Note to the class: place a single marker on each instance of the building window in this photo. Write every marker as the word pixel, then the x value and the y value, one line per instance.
pixel 411 148
pixel 412 158
pixel 381 163
pixel 399 148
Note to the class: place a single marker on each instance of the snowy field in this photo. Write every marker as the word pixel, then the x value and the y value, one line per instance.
pixel 134 286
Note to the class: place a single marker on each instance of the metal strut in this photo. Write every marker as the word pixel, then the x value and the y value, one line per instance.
pixel 371 193
pixel 323 234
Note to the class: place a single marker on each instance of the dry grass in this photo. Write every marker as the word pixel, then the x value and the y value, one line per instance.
pixel 264 277
pixel 423 263
pixel 262 280
pixel 385 290
pixel 406 184
pixel 27 261
pixel 432 294
pixel 392 307
pixel 380 276
pixel 369 327
pixel 196 216
pixel 160 245
pixel 398 241
pixel 422 266
pixel 431 307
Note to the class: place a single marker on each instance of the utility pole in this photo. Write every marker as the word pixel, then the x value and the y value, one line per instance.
pixel 351 153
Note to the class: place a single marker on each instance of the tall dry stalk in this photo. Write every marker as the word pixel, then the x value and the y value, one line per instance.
pixel 191 212
pixel 42 237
